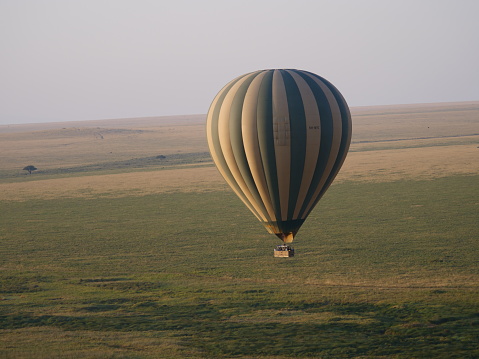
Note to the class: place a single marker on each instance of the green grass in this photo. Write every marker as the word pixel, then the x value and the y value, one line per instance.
pixel 383 270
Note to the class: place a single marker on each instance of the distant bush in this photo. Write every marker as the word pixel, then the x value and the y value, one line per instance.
pixel 30 168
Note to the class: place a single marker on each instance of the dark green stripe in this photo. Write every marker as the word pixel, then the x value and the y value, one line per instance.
pixel 221 162
pixel 345 119
pixel 266 139
pixel 326 120
pixel 237 145
pixel 297 119
pixel 344 145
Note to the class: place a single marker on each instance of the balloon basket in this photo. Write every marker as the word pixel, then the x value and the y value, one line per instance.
pixel 283 251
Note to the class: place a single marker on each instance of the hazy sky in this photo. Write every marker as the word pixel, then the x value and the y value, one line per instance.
pixel 98 59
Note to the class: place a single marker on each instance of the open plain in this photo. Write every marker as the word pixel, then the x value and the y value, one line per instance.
pixel 126 243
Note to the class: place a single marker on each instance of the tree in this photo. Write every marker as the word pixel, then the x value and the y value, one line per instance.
pixel 30 169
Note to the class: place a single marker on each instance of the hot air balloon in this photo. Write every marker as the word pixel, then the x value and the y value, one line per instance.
pixel 279 138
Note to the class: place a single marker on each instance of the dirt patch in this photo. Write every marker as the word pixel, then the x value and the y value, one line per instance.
pixel 116 185
pixel 410 163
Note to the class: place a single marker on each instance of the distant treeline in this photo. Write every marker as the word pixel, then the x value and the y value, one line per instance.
pixel 160 161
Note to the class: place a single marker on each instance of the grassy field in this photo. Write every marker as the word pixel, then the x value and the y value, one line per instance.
pixel 133 258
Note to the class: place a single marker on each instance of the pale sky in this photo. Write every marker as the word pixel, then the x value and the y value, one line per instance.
pixel 75 60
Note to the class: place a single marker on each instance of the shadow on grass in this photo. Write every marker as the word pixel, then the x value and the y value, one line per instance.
pixel 377 330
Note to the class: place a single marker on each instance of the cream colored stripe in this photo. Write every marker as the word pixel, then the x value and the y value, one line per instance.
pixel 209 119
pixel 209 134
pixel 250 140
pixel 225 143
pixel 282 141
pixel 336 141
pixel 350 124
pixel 313 138
pixel 214 155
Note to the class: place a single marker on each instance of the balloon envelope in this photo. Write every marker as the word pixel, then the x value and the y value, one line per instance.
pixel 279 138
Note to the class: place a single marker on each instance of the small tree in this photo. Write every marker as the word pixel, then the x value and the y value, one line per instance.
pixel 30 169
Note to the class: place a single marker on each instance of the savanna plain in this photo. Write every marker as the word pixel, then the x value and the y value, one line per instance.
pixel 126 243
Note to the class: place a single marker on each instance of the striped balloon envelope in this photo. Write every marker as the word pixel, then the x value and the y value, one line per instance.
pixel 279 138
